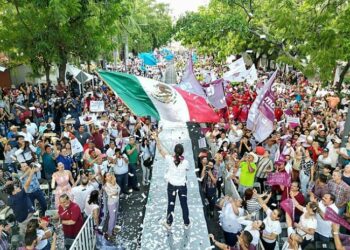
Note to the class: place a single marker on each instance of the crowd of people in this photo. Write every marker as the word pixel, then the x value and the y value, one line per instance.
pixel 58 154
pixel 306 144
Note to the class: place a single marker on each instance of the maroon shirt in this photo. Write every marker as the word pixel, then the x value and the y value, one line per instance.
pixel 97 139
pixel 71 213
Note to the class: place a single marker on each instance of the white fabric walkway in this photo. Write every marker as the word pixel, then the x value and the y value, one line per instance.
pixel 154 235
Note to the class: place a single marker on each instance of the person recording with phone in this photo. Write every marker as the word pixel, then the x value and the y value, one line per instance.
pixel 33 191
pixel 209 177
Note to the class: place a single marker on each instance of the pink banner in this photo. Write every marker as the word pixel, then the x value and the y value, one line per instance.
pixel 287 206
pixel 334 217
pixel 283 179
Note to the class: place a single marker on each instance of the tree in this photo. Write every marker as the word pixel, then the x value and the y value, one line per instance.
pixel 312 35
pixel 154 26
pixel 44 32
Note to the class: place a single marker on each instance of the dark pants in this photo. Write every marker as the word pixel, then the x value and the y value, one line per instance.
pixel 305 243
pixel 122 180
pixel 218 186
pixel 39 196
pixel 47 247
pixel 132 175
pixel 210 194
pixel 262 183
pixel 268 246
pixel 319 237
pixel 10 167
pixel 182 192
pixel 230 239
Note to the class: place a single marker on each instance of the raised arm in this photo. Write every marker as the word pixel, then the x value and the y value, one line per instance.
pixel 260 200
pixel 163 152
pixel 297 205
pixel 337 241
pixel 29 180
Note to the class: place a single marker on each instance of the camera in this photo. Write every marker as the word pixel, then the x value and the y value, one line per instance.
pixel 34 165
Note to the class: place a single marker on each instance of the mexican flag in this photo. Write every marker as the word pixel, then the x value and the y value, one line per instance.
pixel 148 97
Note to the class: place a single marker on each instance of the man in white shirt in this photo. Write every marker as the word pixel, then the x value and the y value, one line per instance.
pixel 25 150
pixel 324 227
pixel 334 150
pixel 323 160
pixel 32 128
pixel 27 136
pixel 231 210
pixel 81 192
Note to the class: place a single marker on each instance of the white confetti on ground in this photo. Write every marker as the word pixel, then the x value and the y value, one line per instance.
pixel 154 235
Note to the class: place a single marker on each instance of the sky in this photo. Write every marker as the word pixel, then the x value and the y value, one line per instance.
pixel 179 7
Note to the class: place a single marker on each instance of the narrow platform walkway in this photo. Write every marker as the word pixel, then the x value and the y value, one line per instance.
pixel 154 236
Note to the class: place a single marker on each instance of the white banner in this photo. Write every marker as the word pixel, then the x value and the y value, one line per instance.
pixel 87 119
pixel 97 106
pixel 202 143
pixel 291 119
pixel 76 146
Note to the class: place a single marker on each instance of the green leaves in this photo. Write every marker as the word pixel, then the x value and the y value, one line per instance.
pixel 293 31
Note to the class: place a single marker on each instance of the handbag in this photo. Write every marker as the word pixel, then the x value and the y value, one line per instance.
pixel 148 162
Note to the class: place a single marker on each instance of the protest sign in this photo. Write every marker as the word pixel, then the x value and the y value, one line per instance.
pixel 87 119
pixel 293 121
pixel 97 106
pixel 202 142
pixel 283 179
pixel 76 146
pixel 332 216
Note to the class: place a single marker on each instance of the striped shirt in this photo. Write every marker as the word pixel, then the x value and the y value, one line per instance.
pixel 252 205
pixel 263 164
pixel 341 192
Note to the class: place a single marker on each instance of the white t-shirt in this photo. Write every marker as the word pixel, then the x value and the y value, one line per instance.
pixel 32 128
pixel 110 152
pixel 290 231
pixel 307 223
pixel 80 194
pixel 228 219
pixel 235 136
pixel 271 226
pixel 120 167
pixel 255 233
pixel 324 227
pixel 102 168
pixel 89 208
pixel 176 175
pixel 333 154
pixel 42 243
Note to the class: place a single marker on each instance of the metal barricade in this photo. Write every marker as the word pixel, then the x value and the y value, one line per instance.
pixel 86 239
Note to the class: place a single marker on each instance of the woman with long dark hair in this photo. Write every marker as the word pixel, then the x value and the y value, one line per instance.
pixel 146 160
pixel 176 176
pixel 92 206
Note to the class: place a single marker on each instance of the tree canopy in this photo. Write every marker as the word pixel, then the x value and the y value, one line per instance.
pixel 312 35
pixel 43 32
